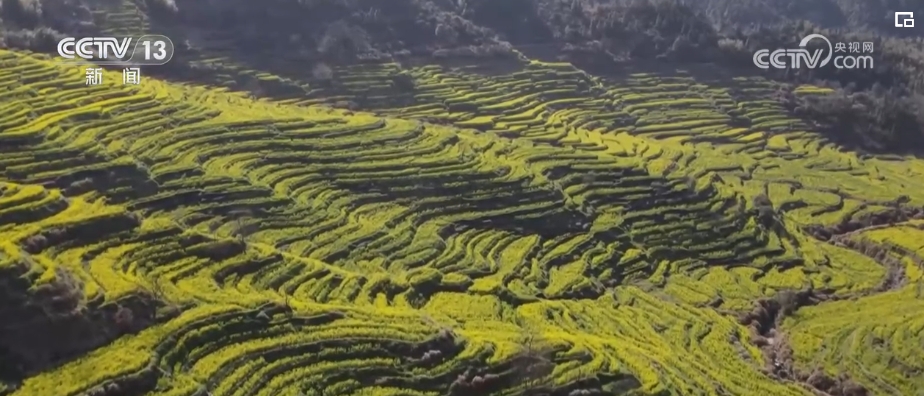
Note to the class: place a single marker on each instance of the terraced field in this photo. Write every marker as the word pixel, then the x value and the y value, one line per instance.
pixel 542 231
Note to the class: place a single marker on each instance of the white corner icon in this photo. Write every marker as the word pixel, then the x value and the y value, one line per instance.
pixel 904 19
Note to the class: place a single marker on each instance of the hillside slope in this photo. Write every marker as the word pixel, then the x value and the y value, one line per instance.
pixel 612 228
pixel 468 217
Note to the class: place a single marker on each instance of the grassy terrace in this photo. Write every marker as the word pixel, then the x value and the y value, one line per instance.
pixel 609 223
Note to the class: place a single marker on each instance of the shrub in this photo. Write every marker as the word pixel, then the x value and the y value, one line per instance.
pixel 875 120
pixel 322 72
pixel 124 319
pixel 35 243
pixel 343 41
pixel 40 40
pixel 162 6
pixel 28 10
